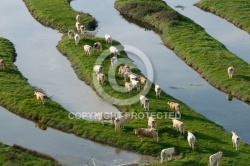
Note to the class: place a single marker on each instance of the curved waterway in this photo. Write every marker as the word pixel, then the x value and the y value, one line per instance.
pixel 44 67
pixel 170 72
pixel 236 40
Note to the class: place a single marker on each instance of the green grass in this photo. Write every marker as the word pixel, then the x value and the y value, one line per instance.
pixel 235 11
pixel 19 156
pixel 191 43
pixel 20 99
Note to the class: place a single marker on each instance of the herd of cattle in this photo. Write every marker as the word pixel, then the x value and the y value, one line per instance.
pixel 135 82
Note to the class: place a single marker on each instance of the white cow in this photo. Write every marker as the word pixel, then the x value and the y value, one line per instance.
pixel 98 69
pixel 144 102
pixel 87 49
pixel 191 139
pixel 108 39
pixel 167 153
pixel 128 87
pixel 101 78
pixel 113 61
pixel 114 50
pixel 77 38
pixel 151 122
pixel 157 91
pixel 215 158
pixel 230 71
pixel 235 140
pixel 119 122
pixel 178 125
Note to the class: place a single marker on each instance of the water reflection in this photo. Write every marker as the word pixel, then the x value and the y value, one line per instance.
pixel 229 97
pixel 41 126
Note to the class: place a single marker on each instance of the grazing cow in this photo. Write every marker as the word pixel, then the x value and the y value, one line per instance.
pixel 87 49
pixel 157 91
pixel 119 122
pixel 71 34
pixel 144 102
pixel 132 76
pixel 101 78
pixel 230 72
pixel 82 29
pixel 178 125
pixel 135 84
pixel 167 153
pixel 77 38
pixel 174 106
pixel 128 87
pixel 98 69
pixel 40 97
pixel 143 132
pixel 108 39
pixel 106 116
pixel 215 158
pixel 113 61
pixel 2 64
pixel 78 18
pixel 78 27
pixel 113 50
pixel 143 81
pixel 97 46
pixel 235 140
pixel 151 122
pixel 191 139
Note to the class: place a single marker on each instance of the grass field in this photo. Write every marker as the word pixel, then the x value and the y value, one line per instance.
pixel 17 96
pixel 235 11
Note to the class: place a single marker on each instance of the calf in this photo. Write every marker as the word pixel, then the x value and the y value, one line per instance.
pixel 144 102
pixel 97 46
pixel 151 122
pixel 71 34
pixel 101 78
pixel 167 153
pixel 191 139
pixel 174 106
pixel 215 158
pixel 119 122
pixel 128 87
pixel 77 38
pixel 87 49
pixel 143 132
pixel 108 39
pixel 235 140
pixel 178 125
pixel 40 97
pixel 157 91
pixel 230 71
pixel 98 69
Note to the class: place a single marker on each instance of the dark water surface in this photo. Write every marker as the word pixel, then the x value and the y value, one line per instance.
pixel 170 72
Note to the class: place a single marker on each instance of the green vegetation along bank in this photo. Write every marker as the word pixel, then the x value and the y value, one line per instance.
pixel 191 43
pixel 19 156
pixel 235 11
pixel 210 136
